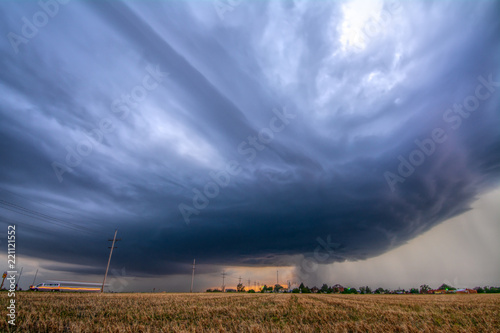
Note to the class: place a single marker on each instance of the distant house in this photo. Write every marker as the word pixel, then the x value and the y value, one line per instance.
pixel 457 291
pixel 466 291
pixel 437 291
pixel 338 288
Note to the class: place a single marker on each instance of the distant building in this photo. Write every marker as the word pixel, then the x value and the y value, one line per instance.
pixel 457 291
pixel 437 291
pixel 338 288
pixel 466 291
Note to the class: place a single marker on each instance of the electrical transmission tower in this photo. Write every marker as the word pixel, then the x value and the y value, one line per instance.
pixel 114 240
pixel 223 278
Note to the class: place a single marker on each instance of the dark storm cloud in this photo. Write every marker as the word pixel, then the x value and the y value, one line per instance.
pixel 352 111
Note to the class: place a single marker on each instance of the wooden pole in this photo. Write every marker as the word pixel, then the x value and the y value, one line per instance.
pixel 3 279
pixel 109 260
pixel 35 277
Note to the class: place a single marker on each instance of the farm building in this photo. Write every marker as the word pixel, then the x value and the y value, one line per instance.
pixel 466 291
pixel 437 291
pixel 338 288
pixel 458 291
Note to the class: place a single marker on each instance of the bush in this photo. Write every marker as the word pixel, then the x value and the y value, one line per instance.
pixel 350 291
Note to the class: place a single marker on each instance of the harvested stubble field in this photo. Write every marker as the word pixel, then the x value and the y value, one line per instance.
pixel 70 312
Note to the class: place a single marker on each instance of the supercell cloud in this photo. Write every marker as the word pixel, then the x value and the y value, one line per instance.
pixel 240 133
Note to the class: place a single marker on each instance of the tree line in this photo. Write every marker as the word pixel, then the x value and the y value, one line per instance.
pixel 325 289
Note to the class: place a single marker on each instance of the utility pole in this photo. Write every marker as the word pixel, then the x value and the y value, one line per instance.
pixel 192 276
pixel 277 278
pixel 35 277
pixel 239 280
pixel 223 277
pixel 110 254
pixel 3 279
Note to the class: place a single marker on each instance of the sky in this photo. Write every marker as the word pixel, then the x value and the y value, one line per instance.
pixel 343 142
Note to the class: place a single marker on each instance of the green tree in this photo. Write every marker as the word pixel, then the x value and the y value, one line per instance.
pixel 324 288
pixel 304 289
pixel 350 291
pixel 266 289
pixel 444 286
pixel 413 291
pixel 296 291
pixel 368 290
pixel 492 290
pixel 277 288
pixel 424 289
pixel 240 287
pixel 379 291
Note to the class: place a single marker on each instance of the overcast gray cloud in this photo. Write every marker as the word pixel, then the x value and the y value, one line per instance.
pixel 239 135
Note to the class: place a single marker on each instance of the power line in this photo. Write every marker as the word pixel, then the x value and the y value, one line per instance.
pixel 30 210
pixel 36 214
pixel 40 218
pixel 41 203
pixel 32 227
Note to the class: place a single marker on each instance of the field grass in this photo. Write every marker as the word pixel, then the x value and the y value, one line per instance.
pixel 72 312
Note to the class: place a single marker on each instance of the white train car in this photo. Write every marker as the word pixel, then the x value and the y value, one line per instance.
pixel 57 286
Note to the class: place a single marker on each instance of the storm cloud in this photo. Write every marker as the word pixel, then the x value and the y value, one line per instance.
pixel 239 135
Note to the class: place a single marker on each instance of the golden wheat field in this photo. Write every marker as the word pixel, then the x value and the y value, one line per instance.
pixel 70 312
